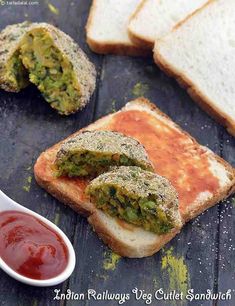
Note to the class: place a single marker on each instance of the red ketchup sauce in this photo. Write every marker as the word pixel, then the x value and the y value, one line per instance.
pixel 30 247
pixel 172 152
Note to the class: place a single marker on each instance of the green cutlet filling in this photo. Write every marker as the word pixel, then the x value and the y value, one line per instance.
pixel 16 72
pixel 50 71
pixel 144 212
pixel 92 163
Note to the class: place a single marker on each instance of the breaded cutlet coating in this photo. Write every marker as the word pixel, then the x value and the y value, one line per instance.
pixel 138 185
pixel 105 142
pixel 83 68
pixel 10 39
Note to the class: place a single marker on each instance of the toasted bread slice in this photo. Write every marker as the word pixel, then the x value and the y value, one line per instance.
pixel 201 178
pixel 199 53
pixel 106 28
pixel 155 18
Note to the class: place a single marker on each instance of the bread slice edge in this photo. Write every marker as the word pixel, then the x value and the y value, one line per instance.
pixel 109 47
pixel 185 82
pixel 137 38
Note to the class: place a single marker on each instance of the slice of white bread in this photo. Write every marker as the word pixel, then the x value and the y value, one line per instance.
pixel 200 54
pixel 106 28
pixel 201 178
pixel 155 18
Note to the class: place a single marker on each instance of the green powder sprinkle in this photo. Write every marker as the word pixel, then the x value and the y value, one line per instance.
pixel 111 260
pixel 57 219
pixel 140 89
pixel 156 283
pixel 53 9
pixel 102 276
pixel 233 202
pixel 177 271
pixel 28 182
pixel 113 106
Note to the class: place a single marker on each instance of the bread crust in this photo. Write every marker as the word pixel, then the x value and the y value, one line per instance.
pixel 62 191
pixel 82 208
pixel 138 39
pixel 205 103
pixel 108 47
pixel 124 249
pixel 116 48
pixel 141 41
pixel 147 42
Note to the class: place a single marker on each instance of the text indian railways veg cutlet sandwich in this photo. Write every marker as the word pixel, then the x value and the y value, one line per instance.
pixel 136 218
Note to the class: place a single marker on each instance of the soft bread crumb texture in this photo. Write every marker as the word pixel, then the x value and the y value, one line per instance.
pixel 109 20
pixel 155 18
pixel 106 29
pixel 200 54
pixel 126 239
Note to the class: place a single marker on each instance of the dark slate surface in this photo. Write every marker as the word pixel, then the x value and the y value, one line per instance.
pixel 28 126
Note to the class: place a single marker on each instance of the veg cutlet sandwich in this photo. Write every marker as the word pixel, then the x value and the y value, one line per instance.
pixel 50 59
pixel 93 152
pixel 137 196
pixel 135 211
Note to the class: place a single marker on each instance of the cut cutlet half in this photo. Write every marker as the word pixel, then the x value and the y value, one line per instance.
pixel 199 53
pixel 200 177
pixel 106 29
pixel 155 18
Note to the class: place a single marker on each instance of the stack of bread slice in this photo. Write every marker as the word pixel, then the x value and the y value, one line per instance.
pixel 193 41
pixel 131 27
pixel 200 54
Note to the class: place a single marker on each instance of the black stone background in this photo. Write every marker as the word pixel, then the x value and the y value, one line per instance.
pixel 28 126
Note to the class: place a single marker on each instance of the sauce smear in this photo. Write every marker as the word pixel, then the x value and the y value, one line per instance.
pixel 30 247
pixel 172 152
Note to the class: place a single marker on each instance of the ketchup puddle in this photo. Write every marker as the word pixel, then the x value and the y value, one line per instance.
pixel 30 247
